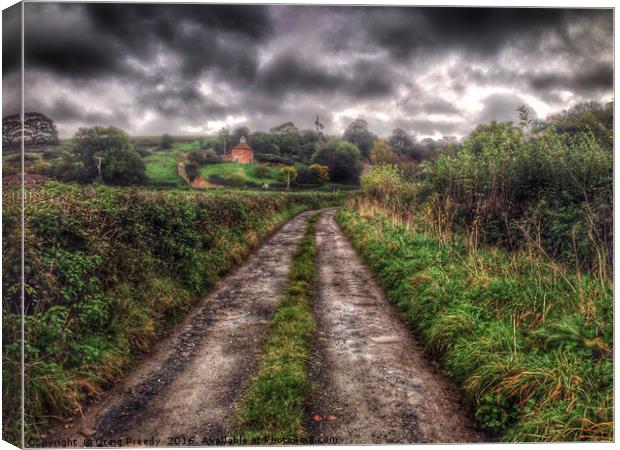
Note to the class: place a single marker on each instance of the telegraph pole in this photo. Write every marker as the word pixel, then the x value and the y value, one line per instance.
pixel 99 158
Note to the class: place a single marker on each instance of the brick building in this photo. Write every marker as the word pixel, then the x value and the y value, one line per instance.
pixel 242 153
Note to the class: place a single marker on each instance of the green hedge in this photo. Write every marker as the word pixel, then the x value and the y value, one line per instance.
pixel 107 270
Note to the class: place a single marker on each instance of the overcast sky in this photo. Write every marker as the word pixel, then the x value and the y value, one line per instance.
pixel 185 69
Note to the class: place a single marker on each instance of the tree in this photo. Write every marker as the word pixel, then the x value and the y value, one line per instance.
pixel 343 160
pixel 589 116
pixel 320 172
pixel 120 163
pixel 287 140
pixel 39 129
pixel 400 142
pixel 11 130
pixel 223 143
pixel 238 134
pixel 309 137
pixel 358 134
pixel 202 157
pixel 381 153
pixel 166 141
pixel 261 143
pixel 285 128
pixel 288 175
pixel 524 117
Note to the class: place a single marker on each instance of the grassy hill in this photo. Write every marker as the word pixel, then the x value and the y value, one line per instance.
pixel 161 165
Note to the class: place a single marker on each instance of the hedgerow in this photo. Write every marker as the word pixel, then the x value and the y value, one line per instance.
pixel 552 191
pixel 107 270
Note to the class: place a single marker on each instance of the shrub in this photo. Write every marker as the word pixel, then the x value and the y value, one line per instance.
pixel 236 179
pixel 343 160
pixel 320 173
pixel 287 175
pixel 192 170
pixel 202 157
pixel 166 141
pixel 261 171
pixel 382 181
pixel 52 153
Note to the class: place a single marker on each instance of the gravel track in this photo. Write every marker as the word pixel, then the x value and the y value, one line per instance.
pixel 372 382
pixel 369 373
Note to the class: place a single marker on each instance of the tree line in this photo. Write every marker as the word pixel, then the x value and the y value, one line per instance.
pixel 108 153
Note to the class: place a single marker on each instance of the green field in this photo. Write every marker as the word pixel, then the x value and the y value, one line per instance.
pixel 161 166
pixel 249 170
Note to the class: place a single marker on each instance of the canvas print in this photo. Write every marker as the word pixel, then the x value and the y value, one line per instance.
pixel 230 224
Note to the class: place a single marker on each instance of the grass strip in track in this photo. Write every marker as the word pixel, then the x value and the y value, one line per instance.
pixel 273 406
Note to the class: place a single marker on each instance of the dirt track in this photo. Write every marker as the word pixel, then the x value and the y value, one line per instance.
pixel 367 370
pixel 369 373
pixel 194 380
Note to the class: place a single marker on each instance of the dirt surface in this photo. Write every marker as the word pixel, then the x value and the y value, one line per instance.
pixel 372 382
pixel 193 382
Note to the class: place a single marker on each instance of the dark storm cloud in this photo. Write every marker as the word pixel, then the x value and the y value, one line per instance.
pixel 290 73
pixel 185 68
pixel 430 127
pixel 479 31
pixel 11 39
pixel 104 36
pixel 66 110
pixel 590 79
pixel 439 106
pixel 11 60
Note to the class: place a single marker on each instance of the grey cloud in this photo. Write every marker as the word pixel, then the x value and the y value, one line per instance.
pixel 278 63
pixel 501 108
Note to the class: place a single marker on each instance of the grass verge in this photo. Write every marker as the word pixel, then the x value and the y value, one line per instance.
pixel 273 406
pixel 529 343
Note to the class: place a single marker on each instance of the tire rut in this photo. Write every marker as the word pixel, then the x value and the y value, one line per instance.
pixel 369 373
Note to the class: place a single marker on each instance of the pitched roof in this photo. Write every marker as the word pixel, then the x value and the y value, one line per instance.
pixel 242 146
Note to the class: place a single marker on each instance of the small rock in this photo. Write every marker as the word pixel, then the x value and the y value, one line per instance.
pixel 87 431
pixel 385 339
